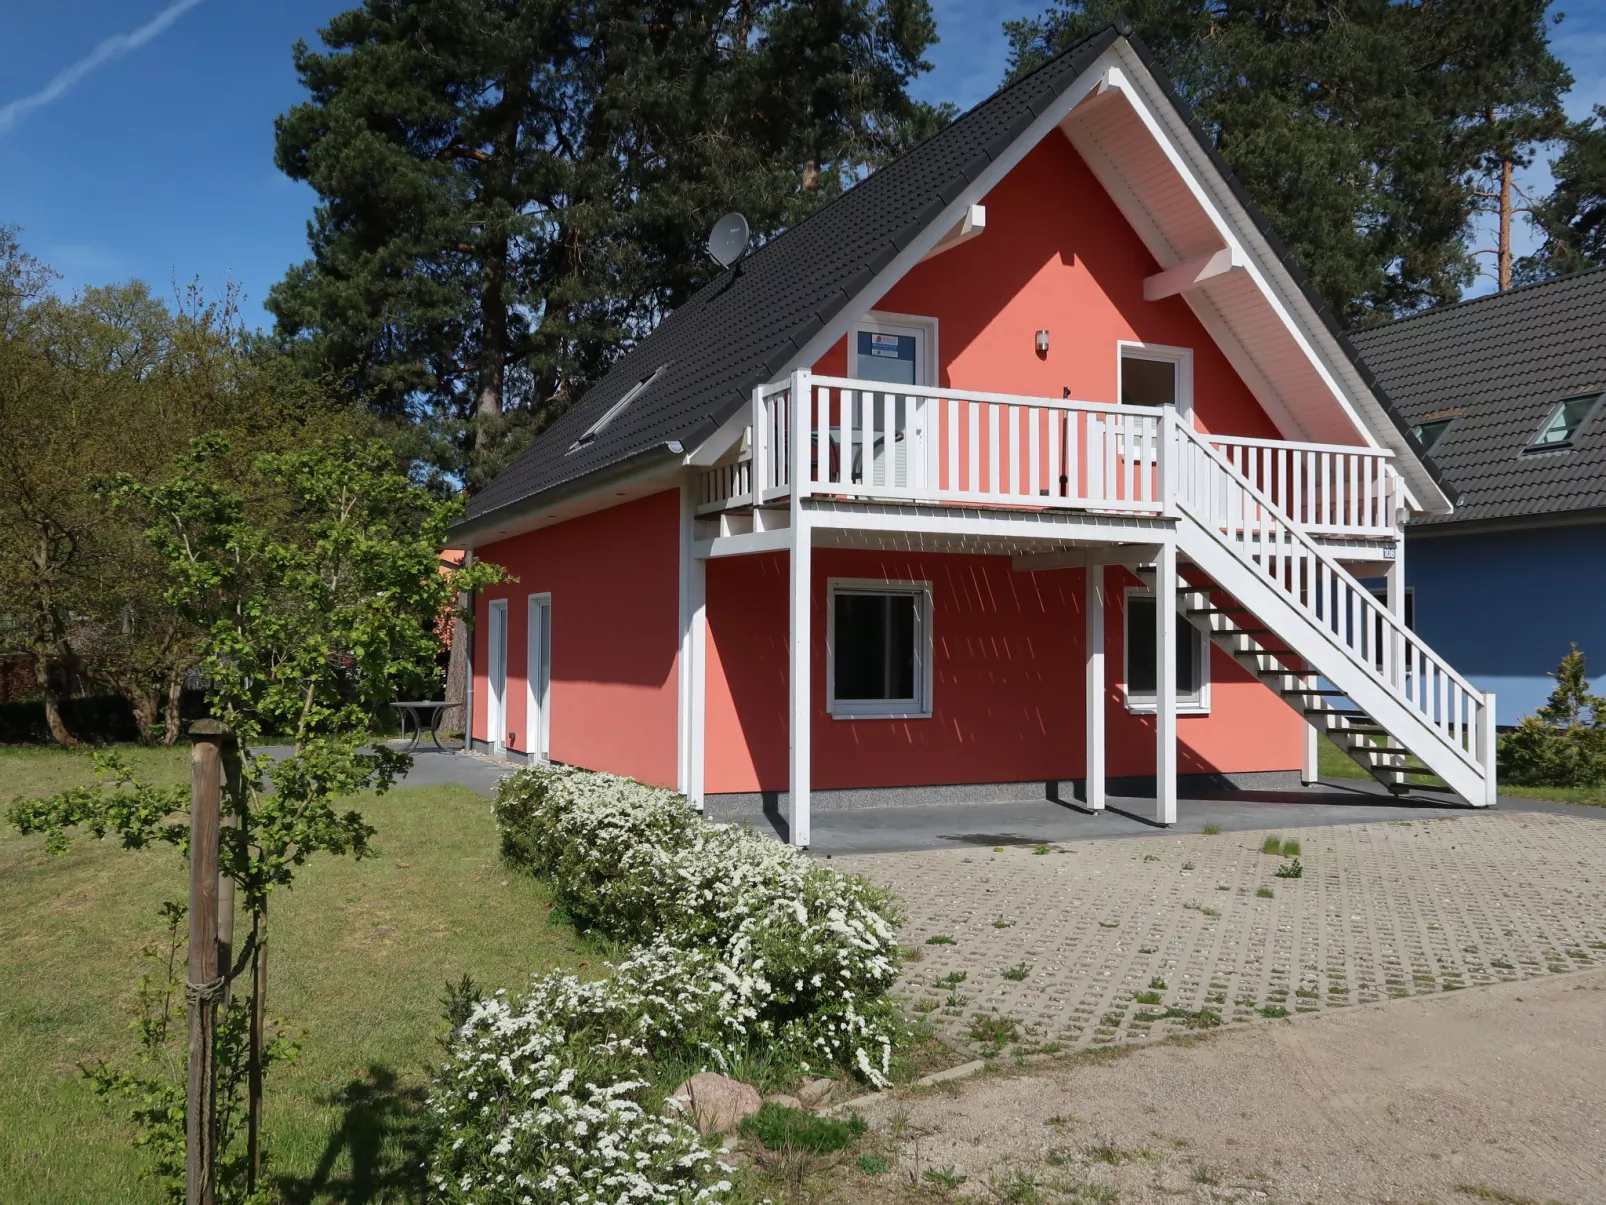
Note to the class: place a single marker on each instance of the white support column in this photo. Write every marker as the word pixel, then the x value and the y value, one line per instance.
pixel 1165 709
pixel 1309 760
pixel 1095 688
pixel 683 664
pixel 800 645
pixel 696 711
pixel 1487 745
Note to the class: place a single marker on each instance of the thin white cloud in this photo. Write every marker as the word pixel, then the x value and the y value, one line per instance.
pixel 111 48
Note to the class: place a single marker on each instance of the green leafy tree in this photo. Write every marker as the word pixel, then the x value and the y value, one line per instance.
pixel 511 191
pixel 1368 132
pixel 1572 219
pixel 1563 744
pixel 313 579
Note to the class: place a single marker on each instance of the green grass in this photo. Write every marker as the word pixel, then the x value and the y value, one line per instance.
pixel 778 1127
pixel 1333 762
pixel 361 954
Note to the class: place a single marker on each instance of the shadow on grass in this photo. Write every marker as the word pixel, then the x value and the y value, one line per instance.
pixel 381 1134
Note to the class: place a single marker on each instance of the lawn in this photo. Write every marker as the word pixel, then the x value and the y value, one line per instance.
pixel 361 955
pixel 1333 762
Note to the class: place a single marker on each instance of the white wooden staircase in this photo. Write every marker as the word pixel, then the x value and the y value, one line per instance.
pixel 1257 584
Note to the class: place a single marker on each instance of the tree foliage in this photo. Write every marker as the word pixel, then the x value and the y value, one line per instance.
pixel 313 581
pixel 511 191
pixel 1572 220
pixel 1370 132
pixel 112 381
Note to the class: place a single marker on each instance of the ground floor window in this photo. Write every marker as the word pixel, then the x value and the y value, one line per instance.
pixel 1142 667
pixel 878 649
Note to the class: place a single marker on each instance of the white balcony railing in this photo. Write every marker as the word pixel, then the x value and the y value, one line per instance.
pixel 865 440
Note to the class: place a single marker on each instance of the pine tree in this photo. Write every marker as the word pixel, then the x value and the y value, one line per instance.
pixel 1563 744
pixel 511 191
pixel 1572 220
pixel 1361 128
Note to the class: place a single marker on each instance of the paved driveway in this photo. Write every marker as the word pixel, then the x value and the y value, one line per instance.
pixel 1086 942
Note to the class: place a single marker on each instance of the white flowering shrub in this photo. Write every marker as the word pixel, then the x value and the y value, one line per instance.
pixel 545 1098
pixel 744 945
pixel 639 863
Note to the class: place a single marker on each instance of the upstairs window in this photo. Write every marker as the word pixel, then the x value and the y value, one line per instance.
pixel 613 411
pixel 879 649
pixel 1564 423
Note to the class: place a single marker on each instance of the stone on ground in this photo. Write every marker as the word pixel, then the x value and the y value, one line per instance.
pixel 717 1103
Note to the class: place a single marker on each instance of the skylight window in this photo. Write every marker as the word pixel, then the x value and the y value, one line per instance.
pixel 613 411
pixel 1564 423
pixel 1428 433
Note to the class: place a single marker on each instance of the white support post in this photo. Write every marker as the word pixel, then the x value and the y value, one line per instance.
pixel 759 443
pixel 1167 461
pixel 1094 791
pixel 799 647
pixel 1487 745
pixel 1309 768
pixel 1165 709
pixel 696 738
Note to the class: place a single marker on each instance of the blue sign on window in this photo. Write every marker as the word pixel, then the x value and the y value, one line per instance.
pixel 884 357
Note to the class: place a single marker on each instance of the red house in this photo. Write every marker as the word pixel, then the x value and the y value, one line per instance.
pixel 881 514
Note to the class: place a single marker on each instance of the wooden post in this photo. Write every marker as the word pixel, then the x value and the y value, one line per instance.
pixel 232 775
pixel 203 984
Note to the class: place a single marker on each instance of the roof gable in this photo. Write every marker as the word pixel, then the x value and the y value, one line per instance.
pixel 1499 365
pixel 788 301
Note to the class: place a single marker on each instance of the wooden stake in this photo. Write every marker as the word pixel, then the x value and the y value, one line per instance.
pixel 203 983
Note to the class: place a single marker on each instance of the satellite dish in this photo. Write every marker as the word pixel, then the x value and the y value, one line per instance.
pixel 727 242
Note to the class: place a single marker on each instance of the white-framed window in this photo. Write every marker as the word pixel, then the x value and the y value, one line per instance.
pixel 1140 668
pixel 878 649
pixel 538 678
pixel 1152 374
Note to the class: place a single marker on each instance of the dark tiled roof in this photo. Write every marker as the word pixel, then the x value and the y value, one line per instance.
pixel 746 325
pixel 1501 364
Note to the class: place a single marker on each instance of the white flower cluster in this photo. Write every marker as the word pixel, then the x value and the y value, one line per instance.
pixel 817 947
pixel 742 942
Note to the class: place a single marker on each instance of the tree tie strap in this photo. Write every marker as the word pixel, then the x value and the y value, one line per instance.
pixel 204 993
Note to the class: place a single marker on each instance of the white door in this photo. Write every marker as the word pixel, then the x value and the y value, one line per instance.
pixel 496 677
pixel 538 676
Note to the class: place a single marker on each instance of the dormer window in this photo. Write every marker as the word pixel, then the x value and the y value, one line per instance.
pixel 616 409
pixel 1564 423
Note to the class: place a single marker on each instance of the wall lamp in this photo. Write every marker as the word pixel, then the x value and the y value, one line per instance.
pixel 1042 344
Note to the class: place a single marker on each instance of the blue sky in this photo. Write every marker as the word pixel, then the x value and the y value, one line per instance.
pixel 136 136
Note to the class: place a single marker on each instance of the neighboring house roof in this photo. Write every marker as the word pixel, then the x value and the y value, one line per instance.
pixel 750 323
pixel 1499 366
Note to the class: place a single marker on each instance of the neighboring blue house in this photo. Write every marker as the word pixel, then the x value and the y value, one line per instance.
pixel 1506 393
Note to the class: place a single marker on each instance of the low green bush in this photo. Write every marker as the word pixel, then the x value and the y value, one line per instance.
pixel 1563 744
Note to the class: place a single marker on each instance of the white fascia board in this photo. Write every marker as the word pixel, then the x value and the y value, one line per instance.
pixel 1348 388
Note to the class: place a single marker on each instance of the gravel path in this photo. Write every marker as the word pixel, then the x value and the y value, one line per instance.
pixel 1495 1095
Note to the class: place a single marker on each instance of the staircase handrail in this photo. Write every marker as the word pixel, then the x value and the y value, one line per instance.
pixel 1310 549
